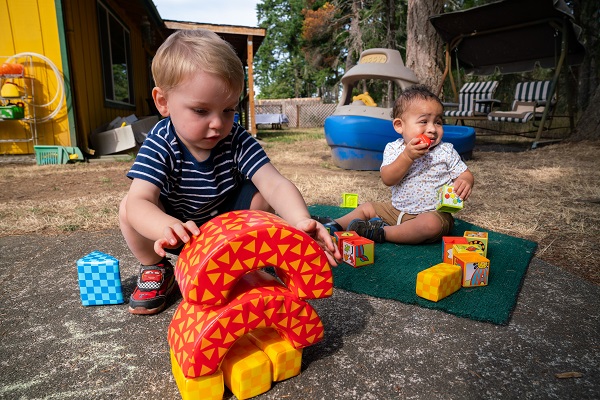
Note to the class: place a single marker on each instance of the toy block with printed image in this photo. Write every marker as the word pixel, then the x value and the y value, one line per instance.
pixel 480 238
pixel 448 201
pixel 356 250
pixel 475 268
pixel 448 243
pixel 438 281
pixel 465 248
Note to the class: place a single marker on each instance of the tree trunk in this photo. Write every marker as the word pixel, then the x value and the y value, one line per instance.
pixel 390 35
pixel 586 16
pixel 589 123
pixel 424 47
pixel 354 43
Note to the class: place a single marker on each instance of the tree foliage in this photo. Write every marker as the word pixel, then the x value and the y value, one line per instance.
pixel 311 43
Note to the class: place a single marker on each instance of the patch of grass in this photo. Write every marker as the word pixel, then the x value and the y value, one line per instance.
pixel 290 135
pixel 69 227
pixel 83 211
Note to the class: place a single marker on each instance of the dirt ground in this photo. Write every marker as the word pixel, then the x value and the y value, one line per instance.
pixel 550 195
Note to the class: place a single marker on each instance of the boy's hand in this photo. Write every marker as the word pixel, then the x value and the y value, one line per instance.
pixel 174 236
pixel 416 148
pixel 462 188
pixel 318 232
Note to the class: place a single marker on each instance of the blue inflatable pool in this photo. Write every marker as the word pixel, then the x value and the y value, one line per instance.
pixel 357 142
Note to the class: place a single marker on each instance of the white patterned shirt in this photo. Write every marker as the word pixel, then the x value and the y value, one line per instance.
pixel 417 192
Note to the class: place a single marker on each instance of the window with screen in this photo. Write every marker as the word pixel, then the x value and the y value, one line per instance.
pixel 116 58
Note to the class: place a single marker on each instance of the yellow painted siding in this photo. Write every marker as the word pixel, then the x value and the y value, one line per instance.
pixel 30 26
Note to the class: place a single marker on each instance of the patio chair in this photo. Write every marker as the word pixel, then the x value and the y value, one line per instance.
pixel 476 100
pixel 531 98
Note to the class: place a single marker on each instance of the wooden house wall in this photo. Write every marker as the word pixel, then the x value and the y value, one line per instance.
pixel 81 26
pixel 31 26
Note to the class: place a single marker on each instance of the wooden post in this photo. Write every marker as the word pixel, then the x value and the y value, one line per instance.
pixel 251 111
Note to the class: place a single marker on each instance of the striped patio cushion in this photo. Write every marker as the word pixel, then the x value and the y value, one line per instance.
pixel 468 96
pixel 527 96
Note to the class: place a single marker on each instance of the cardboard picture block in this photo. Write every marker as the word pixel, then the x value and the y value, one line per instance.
pixel 475 269
pixel 356 250
pixel 465 248
pixel 480 238
pixel 448 201
pixel 448 243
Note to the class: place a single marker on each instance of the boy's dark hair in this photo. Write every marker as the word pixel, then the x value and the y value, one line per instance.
pixel 415 92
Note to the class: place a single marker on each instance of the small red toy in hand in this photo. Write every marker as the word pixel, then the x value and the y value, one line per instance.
pixel 424 139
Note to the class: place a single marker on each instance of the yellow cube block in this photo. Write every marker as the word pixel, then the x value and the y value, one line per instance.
pixel 438 281
pixel 475 269
pixel 209 387
pixel 286 360
pixel 480 238
pixel 246 369
pixel 349 200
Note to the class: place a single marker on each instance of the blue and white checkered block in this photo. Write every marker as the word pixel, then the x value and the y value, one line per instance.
pixel 99 279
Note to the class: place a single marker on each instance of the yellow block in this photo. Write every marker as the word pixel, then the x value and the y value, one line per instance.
pixel 209 387
pixel 439 281
pixel 246 369
pixel 286 360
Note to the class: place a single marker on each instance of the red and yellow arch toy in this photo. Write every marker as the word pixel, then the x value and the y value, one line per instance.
pixel 237 242
pixel 226 294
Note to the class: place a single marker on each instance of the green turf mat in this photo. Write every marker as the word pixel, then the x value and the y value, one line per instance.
pixel 394 273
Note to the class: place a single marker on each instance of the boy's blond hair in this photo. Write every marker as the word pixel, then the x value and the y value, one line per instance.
pixel 186 52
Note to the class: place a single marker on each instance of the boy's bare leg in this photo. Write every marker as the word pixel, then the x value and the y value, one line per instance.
pixel 141 247
pixel 156 278
pixel 365 212
pixel 259 203
pixel 417 230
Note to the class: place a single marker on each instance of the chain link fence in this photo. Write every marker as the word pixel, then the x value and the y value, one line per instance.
pixel 301 113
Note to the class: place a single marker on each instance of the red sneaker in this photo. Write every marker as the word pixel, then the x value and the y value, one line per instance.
pixel 154 284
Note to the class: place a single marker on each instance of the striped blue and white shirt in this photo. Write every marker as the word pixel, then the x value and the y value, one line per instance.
pixel 189 189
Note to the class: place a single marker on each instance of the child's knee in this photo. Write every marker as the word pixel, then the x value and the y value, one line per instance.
pixel 367 209
pixel 123 211
pixel 432 225
pixel 259 203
